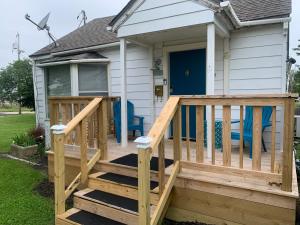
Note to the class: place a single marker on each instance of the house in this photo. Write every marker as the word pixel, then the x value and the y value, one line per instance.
pixel 156 49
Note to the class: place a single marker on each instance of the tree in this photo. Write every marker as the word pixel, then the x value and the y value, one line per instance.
pixel 16 83
pixel 296 82
pixel 297 49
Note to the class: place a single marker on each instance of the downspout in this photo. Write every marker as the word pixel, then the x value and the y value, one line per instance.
pixel 227 7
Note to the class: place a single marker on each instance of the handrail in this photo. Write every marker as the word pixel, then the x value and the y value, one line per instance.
pixel 80 123
pixel 80 116
pixel 162 122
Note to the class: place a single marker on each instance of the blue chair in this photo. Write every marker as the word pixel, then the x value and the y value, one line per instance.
pixel 134 122
pixel 248 126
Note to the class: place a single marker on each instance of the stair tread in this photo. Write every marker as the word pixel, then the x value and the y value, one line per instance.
pixel 126 180
pixel 86 218
pixel 111 200
pixel 132 161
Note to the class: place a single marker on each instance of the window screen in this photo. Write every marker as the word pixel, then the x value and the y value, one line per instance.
pixel 92 79
pixel 58 80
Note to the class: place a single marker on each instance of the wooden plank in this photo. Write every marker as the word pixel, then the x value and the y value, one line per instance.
pixel 213 134
pixel 266 176
pixel 226 131
pixel 257 137
pixel 241 136
pixel 94 160
pixel 199 133
pixel 164 198
pixel 161 166
pixel 144 186
pixel 188 144
pixel 103 125
pixel 273 139
pixel 72 187
pixel 59 174
pixel 83 151
pixel 162 122
pixel 177 135
pixel 287 172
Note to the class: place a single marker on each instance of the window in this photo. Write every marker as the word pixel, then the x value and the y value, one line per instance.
pixel 92 80
pixel 58 81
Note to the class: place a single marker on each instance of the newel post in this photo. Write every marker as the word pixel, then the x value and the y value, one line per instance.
pixel 144 151
pixel 59 168
pixel 288 136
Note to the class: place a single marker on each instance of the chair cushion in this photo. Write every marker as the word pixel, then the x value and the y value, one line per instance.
pixel 236 136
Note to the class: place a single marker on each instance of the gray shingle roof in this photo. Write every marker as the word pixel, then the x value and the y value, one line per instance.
pixel 95 32
pixel 248 10
pixel 85 55
pixel 92 34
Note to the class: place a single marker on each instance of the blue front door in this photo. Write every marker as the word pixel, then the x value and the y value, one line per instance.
pixel 187 77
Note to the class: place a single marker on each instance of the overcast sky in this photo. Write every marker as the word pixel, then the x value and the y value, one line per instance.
pixel 63 20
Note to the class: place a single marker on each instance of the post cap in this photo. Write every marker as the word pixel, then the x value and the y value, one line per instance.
pixel 58 129
pixel 143 142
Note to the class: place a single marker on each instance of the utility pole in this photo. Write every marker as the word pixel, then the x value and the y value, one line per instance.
pixel 16 46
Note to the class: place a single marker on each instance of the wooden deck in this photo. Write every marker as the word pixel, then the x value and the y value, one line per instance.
pixel 115 151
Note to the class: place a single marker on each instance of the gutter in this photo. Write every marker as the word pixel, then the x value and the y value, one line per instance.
pixel 227 7
pixel 73 62
pixel 114 44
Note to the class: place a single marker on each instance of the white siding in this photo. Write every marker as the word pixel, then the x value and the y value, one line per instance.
pixel 139 80
pixel 257 64
pixel 157 15
pixel 39 85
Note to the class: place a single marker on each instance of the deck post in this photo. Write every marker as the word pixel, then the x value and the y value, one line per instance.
pixel 144 151
pixel 288 135
pixel 102 126
pixel 210 81
pixel 123 70
pixel 59 168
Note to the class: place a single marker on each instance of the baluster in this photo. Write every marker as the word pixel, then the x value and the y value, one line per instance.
pixel 226 135
pixel 102 126
pixel 213 135
pixel 257 137
pixel 241 136
pixel 187 122
pixel 199 134
pixel 77 129
pixel 273 139
pixel 109 115
pixel 161 166
pixel 177 135
pixel 83 151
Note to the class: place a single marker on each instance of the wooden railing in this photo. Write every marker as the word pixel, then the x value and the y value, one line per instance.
pixel 172 112
pixel 93 116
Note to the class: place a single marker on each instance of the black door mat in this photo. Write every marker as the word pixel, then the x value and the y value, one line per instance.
pixel 132 160
pixel 86 218
pixel 114 200
pixel 120 179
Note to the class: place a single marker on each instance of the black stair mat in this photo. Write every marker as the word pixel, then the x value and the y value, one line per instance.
pixel 114 200
pixel 120 179
pixel 86 218
pixel 132 160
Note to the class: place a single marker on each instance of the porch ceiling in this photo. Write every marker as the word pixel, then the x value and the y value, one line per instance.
pixel 192 33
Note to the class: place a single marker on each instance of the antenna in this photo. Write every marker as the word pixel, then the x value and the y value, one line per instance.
pixel 83 17
pixel 16 46
pixel 42 25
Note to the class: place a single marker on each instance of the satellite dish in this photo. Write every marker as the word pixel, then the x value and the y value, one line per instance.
pixel 43 24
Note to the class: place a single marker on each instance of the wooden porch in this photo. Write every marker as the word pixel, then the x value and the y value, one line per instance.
pixel 217 187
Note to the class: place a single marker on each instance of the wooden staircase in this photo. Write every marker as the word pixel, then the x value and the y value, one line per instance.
pixel 110 198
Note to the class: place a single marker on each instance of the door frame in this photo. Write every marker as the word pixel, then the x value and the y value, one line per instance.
pixel 166 61
pixel 166 67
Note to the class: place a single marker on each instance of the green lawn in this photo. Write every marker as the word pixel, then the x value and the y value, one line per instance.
pixel 12 125
pixel 18 203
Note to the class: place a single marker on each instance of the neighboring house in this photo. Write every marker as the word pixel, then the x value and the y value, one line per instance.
pixel 184 47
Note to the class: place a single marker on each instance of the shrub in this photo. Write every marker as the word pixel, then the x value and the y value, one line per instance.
pixel 23 140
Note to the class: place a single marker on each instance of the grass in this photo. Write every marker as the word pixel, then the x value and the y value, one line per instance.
pixel 19 204
pixel 13 125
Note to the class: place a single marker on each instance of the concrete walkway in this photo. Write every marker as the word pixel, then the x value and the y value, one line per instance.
pixel 14 113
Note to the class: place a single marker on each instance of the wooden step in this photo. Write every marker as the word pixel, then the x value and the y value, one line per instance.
pixel 117 208
pixel 120 185
pixel 79 217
